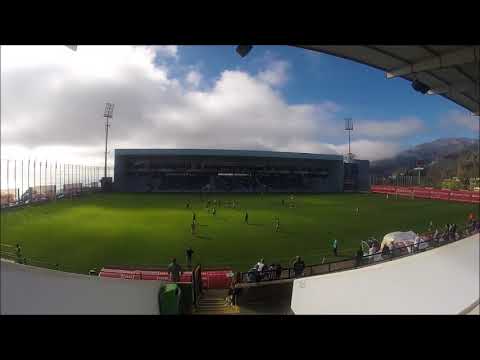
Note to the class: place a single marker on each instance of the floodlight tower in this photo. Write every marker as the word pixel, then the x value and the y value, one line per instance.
pixel 107 114
pixel 349 128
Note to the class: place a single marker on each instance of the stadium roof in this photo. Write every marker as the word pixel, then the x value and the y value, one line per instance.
pixel 226 153
pixel 452 71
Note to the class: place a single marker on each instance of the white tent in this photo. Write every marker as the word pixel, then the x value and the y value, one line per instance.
pixel 398 239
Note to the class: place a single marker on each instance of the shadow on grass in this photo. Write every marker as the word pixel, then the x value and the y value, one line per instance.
pixel 203 237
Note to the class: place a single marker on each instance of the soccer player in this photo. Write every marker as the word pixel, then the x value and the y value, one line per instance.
pixel 189 252
pixel 246 217
pixel 194 218
pixel 277 224
pixel 214 212
pixel 357 211
pixel 18 252
pixel 335 247
pixel 471 217
pixel 188 204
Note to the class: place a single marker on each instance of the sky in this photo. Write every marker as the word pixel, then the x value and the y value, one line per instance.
pixel 277 98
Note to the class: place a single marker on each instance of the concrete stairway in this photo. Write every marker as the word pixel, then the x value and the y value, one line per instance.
pixel 213 303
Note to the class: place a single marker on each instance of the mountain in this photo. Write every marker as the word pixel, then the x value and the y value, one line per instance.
pixel 443 158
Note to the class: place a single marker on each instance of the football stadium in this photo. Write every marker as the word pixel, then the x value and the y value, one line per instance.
pixel 220 231
pixel 190 170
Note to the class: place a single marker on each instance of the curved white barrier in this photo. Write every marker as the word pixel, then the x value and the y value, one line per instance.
pixel 32 290
pixel 444 280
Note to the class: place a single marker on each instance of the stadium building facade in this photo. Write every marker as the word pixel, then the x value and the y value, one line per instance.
pixel 196 170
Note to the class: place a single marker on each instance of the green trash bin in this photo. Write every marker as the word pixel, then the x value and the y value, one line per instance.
pixel 169 299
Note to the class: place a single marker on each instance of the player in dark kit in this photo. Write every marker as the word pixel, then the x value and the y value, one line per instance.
pixel 189 252
pixel 246 217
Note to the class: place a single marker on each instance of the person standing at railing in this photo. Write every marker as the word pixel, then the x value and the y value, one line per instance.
pixel 298 266
pixel 174 270
pixel 278 271
pixel 260 265
pixel 416 243
pixel 359 256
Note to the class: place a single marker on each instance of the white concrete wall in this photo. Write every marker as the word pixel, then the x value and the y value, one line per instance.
pixel 444 280
pixel 31 290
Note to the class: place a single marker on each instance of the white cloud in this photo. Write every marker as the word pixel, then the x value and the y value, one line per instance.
pixel 194 78
pixel 456 118
pixel 370 149
pixel 276 74
pixel 166 50
pixel 53 101
pixel 391 129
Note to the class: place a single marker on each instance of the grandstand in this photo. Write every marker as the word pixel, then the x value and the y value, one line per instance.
pixel 191 170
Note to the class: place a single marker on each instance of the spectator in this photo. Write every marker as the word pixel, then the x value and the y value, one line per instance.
pixel 174 270
pixel 189 252
pixel 371 252
pixel 271 272
pixel 359 256
pixel 298 266
pixel 278 271
pixel 416 243
pixel 260 265
pixel 252 275
pixel 386 251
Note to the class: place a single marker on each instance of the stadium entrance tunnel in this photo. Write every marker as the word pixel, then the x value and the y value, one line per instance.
pixel 265 298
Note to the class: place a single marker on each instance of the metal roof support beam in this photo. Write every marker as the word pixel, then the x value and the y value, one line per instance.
pixel 464 86
pixel 464 56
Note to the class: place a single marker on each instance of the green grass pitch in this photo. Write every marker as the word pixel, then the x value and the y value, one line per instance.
pixel 149 229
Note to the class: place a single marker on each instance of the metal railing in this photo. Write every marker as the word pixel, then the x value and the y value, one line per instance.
pixel 253 276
